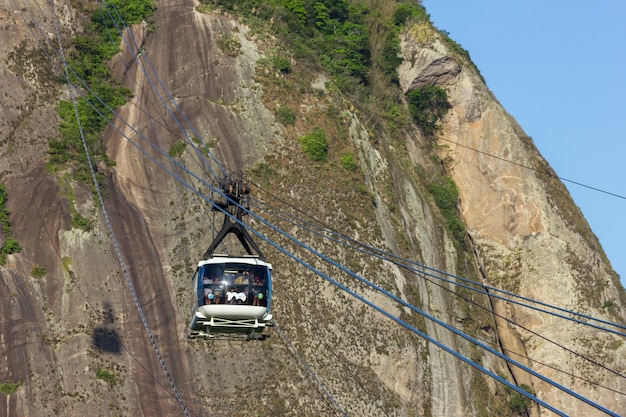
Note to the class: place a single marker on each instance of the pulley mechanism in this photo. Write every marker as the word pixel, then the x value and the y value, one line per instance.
pixel 235 205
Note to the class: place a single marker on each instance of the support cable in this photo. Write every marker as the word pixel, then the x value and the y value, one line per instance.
pixel 87 88
pixel 151 120
pixel 424 314
pixel 407 264
pixel 139 58
pixel 128 351
pixel 548 173
pixel 425 336
pixel 429 317
pixel 539 171
pixel 255 232
pixel 308 369
pixel 425 276
pixel 110 227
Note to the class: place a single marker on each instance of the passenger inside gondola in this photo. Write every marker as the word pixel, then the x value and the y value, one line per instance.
pixel 218 297
pixel 237 284
pixel 208 296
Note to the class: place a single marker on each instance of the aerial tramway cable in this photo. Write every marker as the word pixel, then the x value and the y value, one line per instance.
pixel 426 277
pixel 277 230
pixel 109 226
pixel 327 233
pixel 539 171
pixel 447 349
pixel 543 172
pixel 438 344
pixel 431 318
pixel 139 58
pixel 308 370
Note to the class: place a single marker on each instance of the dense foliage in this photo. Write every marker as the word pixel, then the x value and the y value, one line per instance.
pixel 428 104
pixel 281 64
pixel 10 245
pixel 348 162
pixel 315 145
pixel 334 33
pixel 106 376
pixel 5 221
pixel 518 404
pixel 87 68
pixel 285 115
pixel 177 149
pixel 408 11
pixel 9 388
pixel 38 271
pixel 446 195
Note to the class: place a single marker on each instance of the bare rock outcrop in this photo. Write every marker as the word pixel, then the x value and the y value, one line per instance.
pixel 94 319
pixel 527 231
pixel 441 72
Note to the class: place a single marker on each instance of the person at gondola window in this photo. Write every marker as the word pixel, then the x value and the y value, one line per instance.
pixel 208 296
pixel 257 298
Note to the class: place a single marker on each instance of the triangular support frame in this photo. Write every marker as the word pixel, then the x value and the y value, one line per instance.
pixel 233 219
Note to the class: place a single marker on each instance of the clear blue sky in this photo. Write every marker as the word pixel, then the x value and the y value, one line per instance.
pixel 559 68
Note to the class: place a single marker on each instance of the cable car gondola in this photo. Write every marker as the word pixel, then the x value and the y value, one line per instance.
pixel 232 294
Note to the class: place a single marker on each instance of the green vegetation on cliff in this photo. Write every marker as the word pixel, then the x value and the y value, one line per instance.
pixel 350 40
pixel 10 245
pixel 428 104
pixel 315 145
pixel 9 388
pixel 358 44
pixel 87 61
pixel 446 196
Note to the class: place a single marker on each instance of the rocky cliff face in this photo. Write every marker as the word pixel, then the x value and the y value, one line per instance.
pixel 528 235
pixel 73 337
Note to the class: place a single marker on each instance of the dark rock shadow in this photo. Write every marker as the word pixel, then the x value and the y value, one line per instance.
pixel 105 338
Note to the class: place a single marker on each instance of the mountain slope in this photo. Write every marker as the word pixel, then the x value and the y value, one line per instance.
pixel 74 340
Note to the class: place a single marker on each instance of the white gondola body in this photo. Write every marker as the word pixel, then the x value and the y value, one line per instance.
pixel 231 295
